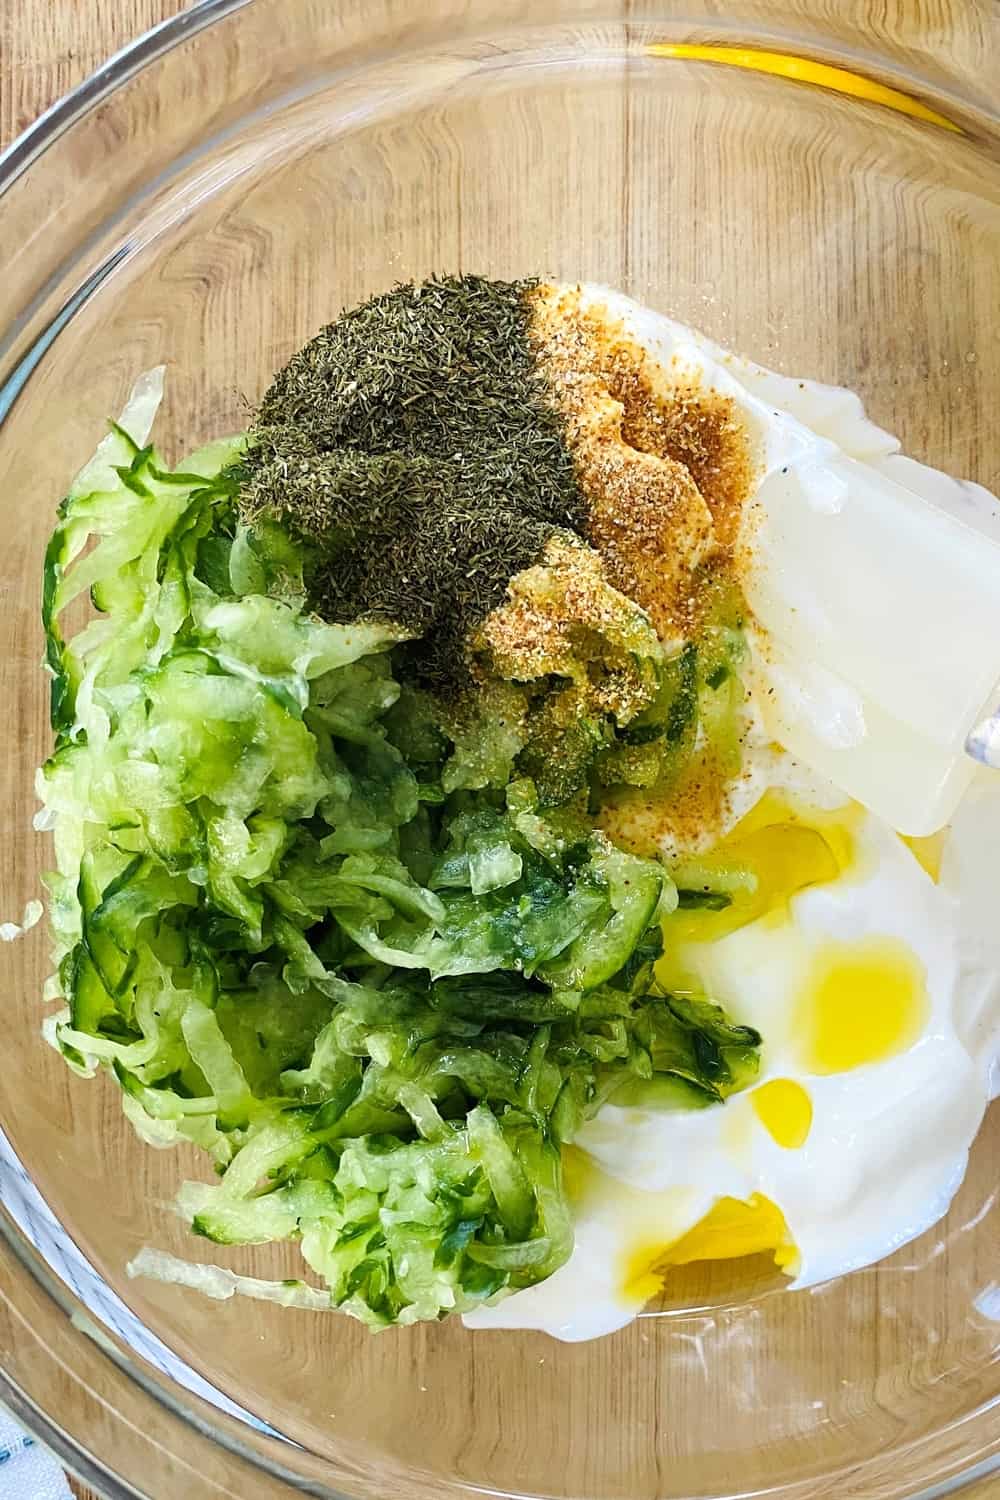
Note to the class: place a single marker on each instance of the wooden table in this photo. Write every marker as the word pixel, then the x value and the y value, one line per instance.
pixel 48 46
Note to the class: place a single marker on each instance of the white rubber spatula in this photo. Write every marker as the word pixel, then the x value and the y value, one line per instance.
pixel 879 660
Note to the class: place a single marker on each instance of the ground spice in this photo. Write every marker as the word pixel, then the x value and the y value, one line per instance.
pixel 665 467
pixel 415 444
pixel 431 443
pixel 561 618
pixel 692 817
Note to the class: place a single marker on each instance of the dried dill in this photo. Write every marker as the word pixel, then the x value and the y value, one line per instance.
pixel 415 445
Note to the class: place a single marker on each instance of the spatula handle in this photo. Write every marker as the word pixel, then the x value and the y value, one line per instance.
pixel 983 743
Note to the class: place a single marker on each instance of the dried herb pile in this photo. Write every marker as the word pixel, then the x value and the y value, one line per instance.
pixel 415 445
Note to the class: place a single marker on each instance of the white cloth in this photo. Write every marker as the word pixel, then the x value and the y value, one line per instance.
pixel 27 1470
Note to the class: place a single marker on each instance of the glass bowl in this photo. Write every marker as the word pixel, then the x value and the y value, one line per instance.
pixel 208 200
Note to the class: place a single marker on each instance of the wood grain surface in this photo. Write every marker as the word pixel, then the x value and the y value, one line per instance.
pixel 47 46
